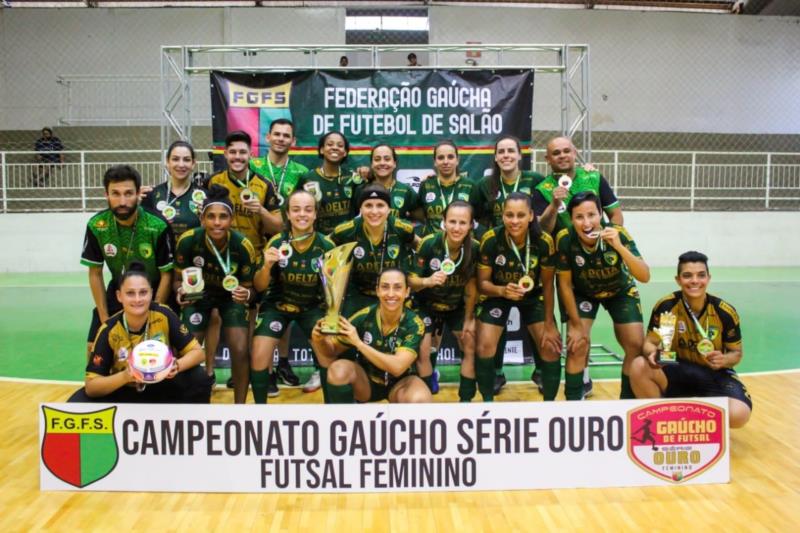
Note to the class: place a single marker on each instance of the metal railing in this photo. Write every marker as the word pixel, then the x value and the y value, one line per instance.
pixel 643 180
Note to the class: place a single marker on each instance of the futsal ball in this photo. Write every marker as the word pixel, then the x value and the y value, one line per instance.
pixel 151 361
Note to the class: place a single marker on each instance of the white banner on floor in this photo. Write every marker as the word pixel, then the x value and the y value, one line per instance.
pixel 381 447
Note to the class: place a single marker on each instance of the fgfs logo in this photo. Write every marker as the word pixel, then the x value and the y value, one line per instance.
pixel 676 440
pixel 79 448
pixel 275 97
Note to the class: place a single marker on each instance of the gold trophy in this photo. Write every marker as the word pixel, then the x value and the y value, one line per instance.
pixel 334 271
pixel 192 284
pixel 666 331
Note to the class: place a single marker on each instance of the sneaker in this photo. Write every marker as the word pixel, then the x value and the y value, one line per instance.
pixel 435 382
pixel 536 377
pixel 499 383
pixel 587 388
pixel 314 383
pixel 229 383
pixel 287 375
pixel 272 385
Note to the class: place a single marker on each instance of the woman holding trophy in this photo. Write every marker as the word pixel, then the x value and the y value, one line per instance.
pixel 111 374
pixel 598 264
pixel 696 358
pixel 516 268
pixel 290 276
pixel 223 262
pixel 387 337
pixel 382 241
pixel 331 183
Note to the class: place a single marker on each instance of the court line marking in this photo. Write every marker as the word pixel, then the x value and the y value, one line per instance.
pixel 4 379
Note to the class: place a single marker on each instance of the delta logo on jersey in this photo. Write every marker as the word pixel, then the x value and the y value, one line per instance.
pixel 676 440
pixel 79 448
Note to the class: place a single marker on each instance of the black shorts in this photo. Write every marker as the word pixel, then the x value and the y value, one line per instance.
pixel 191 386
pixel 113 306
pixel 686 379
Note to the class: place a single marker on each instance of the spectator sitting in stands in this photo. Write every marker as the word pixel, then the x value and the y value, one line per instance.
pixel 412 60
pixel 49 148
pixel 344 61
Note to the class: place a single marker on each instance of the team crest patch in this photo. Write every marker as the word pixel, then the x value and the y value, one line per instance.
pixel 495 312
pixel 275 326
pixel 430 197
pixel 122 354
pixel 398 202
pixel 633 292
pixel 368 337
pixel 199 262
pixel 676 440
pixel 463 196
pixel 358 252
pixel 146 250
pixel 110 250
pixel 427 321
pixel 79 448
pixel 315 264
pixel 393 251
pixel 435 263
pixel 579 260
pixel 611 258
pixel 681 326
pixel 585 306
pixel 234 267
pixel 524 190
pixel 101 224
pixel 195 319
pixel 713 332
pixel 500 260
pixel 534 262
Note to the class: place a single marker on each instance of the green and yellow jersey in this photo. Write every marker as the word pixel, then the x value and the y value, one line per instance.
pixel 490 197
pixel 582 182
pixel 334 196
pixel 434 199
pixel 195 250
pixel 497 253
pixel 181 212
pixel 147 240
pixel 430 255
pixel 406 336
pixel 370 258
pixel 114 343
pixel 598 273
pixel 244 222
pixel 719 319
pixel 284 179
pixel 295 284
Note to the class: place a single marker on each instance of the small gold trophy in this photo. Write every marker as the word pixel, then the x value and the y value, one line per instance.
pixel 666 331
pixel 334 271
pixel 192 284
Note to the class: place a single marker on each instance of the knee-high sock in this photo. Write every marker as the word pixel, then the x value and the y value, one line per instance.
pixel 323 379
pixel 500 353
pixel 484 372
pixel 259 380
pixel 341 394
pixel 466 389
pixel 626 392
pixel 573 385
pixel 551 379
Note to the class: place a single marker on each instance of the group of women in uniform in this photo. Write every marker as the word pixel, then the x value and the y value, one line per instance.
pixel 457 254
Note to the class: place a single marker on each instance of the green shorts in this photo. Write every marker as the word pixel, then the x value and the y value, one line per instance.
pixel 274 318
pixel 435 321
pixel 496 310
pixel 197 314
pixel 624 307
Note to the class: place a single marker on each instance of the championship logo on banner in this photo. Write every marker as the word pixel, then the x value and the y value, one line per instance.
pixel 676 440
pixel 79 448
pixel 409 109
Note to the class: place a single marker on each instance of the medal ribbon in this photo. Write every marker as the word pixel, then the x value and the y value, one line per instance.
pixel 703 333
pixel 130 241
pixel 278 184
pixel 226 266
pixel 445 201
pixel 239 182
pixel 526 265
pixel 392 344
pixel 139 386
pixel 503 185
pixel 447 252
pixel 383 244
